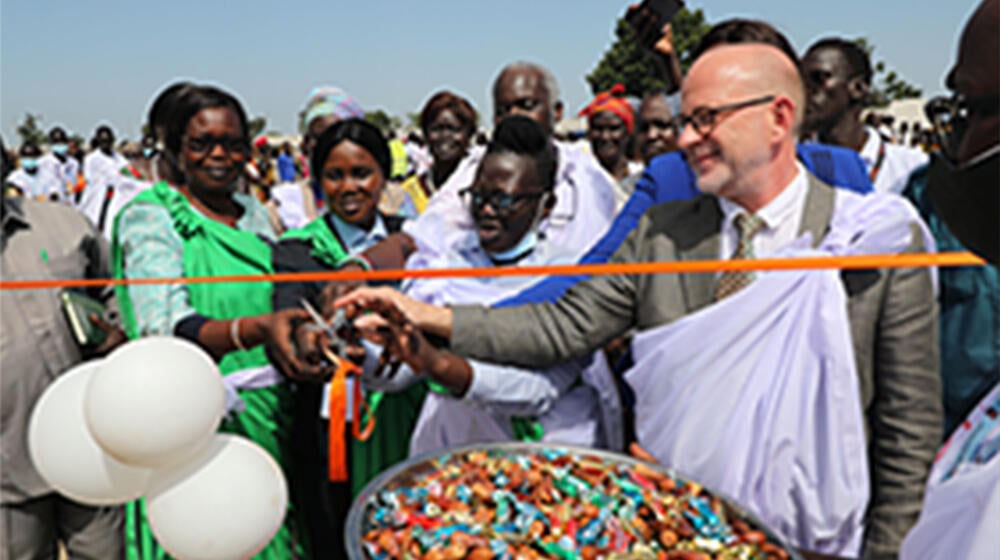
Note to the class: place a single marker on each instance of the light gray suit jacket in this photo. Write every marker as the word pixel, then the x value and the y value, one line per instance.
pixel 893 315
pixel 38 240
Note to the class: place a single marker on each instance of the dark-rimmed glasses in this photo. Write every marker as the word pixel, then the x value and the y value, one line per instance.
pixel 502 203
pixel 703 119
pixel 950 118
pixel 205 144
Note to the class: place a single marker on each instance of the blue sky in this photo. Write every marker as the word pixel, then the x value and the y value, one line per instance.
pixel 81 63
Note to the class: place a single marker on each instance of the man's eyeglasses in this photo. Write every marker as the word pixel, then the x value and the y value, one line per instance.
pixel 502 203
pixel 950 117
pixel 205 144
pixel 703 119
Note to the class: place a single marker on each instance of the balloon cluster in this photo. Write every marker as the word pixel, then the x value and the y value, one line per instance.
pixel 142 423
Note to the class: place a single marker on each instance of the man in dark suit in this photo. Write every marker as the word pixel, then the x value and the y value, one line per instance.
pixel 741 112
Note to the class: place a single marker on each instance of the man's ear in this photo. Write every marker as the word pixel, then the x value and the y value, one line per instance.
pixel 550 203
pixel 858 90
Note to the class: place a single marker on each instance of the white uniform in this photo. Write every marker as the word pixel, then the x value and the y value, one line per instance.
pixel 575 402
pixel 41 185
pixel 101 172
pixel 890 164
pixel 64 171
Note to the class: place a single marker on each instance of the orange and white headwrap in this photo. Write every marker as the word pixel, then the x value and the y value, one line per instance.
pixel 614 101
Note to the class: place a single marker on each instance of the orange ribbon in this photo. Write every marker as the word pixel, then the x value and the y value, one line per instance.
pixel 904 260
pixel 337 442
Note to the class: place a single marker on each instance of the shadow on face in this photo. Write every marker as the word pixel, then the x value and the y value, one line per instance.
pixel 507 200
pixel 608 137
pixel 521 91
pixel 655 132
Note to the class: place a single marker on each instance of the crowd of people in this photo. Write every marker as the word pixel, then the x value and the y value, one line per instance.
pixel 819 400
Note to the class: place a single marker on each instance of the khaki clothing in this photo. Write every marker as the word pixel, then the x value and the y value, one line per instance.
pixel 87 533
pixel 40 240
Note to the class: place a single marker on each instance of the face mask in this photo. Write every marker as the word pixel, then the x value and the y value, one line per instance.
pixel 148 152
pixel 521 249
pixel 29 164
pixel 60 149
pixel 528 242
pixel 965 196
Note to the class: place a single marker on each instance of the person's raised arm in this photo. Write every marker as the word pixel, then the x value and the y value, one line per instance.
pixel 658 40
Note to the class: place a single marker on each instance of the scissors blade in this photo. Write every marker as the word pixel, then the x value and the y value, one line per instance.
pixel 318 319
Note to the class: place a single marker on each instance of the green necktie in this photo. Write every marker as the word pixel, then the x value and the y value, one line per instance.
pixel 747 225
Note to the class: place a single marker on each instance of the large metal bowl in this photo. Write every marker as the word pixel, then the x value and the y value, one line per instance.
pixel 421 464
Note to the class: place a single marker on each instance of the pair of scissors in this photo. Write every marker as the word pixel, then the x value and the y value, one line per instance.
pixel 332 329
pixel 344 368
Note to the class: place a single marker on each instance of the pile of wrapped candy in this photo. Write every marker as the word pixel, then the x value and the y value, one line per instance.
pixel 552 503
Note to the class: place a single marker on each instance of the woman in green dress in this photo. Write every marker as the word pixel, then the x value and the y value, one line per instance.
pixel 204 227
pixel 351 161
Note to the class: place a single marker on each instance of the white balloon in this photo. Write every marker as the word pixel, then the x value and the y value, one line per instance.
pixel 65 454
pixel 155 402
pixel 227 503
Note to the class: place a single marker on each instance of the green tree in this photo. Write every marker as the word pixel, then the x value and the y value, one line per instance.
pixel 30 129
pixel 383 120
pixel 887 85
pixel 628 63
pixel 257 125
pixel 689 27
pixel 414 120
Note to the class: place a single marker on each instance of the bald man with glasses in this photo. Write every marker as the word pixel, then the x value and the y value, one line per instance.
pixel 741 114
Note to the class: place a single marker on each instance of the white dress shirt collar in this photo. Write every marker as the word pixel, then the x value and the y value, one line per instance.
pixel 782 218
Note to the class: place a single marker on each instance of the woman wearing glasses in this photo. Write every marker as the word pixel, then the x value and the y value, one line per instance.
pixel 204 227
pixel 472 401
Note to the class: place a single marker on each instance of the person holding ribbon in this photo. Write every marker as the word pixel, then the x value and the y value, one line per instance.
pixel 350 160
pixel 204 227
pixel 472 401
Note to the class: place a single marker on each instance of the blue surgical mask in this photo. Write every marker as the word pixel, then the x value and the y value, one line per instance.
pixel 520 249
pixel 527 243
pixel 29 164
pixel 60 149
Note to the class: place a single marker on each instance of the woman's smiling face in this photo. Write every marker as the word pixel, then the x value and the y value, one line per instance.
pixel 214 150
pixel 353 183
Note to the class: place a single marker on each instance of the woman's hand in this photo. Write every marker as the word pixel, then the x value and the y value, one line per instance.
pixel 389 327
pixel 429 318
pixel 301 360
